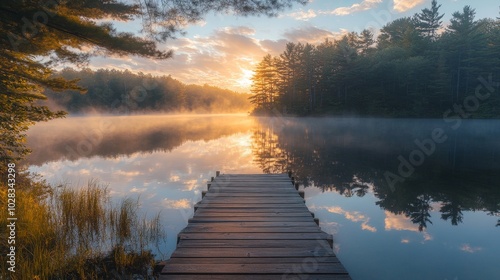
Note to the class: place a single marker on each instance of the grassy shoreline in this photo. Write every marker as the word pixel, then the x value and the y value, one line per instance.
pixel 77 233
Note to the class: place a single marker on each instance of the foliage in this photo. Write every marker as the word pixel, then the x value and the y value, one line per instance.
pixel 415 68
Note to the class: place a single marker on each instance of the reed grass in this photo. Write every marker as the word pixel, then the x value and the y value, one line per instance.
pixel 78 233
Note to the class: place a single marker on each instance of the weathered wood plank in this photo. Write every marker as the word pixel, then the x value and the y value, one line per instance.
pixel 216 189
pixel 289 260
pixel 250 194
pixel 252 224
pixel 210 219
pixel 250 210
pixel 253 186
pixel 255 235
pixel 238 243
pixel 252 205
pixel 251 252
pixel 261 200
pixel 194 228
pixel 275 268
pixel 256 181
pixel 229 212
pixel 248 184
pixel 288 276
pixel 241 175
pixel 242 198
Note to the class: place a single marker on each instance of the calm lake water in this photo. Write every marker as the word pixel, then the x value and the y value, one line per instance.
pixel 404 199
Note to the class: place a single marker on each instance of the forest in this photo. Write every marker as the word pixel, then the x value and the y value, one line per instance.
pixel 124 92
pixel 415 67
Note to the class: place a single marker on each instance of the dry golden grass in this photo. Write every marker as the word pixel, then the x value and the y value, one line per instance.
pixel 77 233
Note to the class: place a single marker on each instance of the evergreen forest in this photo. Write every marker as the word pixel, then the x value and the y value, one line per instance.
pixel 416 67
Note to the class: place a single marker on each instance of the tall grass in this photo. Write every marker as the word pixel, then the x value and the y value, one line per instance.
pixel 77 233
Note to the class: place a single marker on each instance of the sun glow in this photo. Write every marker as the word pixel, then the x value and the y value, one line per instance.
pixel 245 80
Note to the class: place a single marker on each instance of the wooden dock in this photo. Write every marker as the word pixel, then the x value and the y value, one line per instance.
pixel 253 226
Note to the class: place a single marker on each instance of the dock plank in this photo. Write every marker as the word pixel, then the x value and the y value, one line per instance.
pixel 255 235
pixel 209 219
pixel 290 260
pixel 191 229
pixel 251 252
pixel 238 243
pixel 289 276
pixel 253 226
pixel 275 268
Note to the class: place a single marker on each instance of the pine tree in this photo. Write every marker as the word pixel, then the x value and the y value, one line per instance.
pixel 462 41
pixel 289 73
pixel 400 33
pixel 264 86
pixel 366 41
pixel 429 21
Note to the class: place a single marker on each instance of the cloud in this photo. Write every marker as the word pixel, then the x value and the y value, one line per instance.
pixel 177 203
pixel 467 248
pixel 311 34
pixel 274 47
pixel 128 173
pixel 190 185
pixel 398 222
pixel 358 7
pixel 218 59
pixel 241 30
pixel 174 178
pixel 402 223
pixel 303 15
pixel 138 190
pixel 201 23
pixel 353 216
pixel 405 5
pixel 365 226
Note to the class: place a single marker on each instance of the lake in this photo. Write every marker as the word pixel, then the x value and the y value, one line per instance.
pixel 404 199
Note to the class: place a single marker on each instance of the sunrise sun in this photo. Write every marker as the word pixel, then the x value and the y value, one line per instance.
pixel 245 80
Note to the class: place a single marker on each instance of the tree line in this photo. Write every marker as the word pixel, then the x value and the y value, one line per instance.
pixel 123 92
pixel 416 67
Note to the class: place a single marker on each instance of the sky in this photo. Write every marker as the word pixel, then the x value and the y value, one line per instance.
pixel 223 49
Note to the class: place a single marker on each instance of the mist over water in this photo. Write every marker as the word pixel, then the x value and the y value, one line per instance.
pixel 439 222
pixel 112 136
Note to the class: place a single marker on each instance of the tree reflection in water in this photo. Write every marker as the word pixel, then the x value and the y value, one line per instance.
pixel 350 156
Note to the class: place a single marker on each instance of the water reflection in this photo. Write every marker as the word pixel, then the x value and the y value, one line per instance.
pixel 167 160
pixel 352 156
pixel 113 136
pixel 348 156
